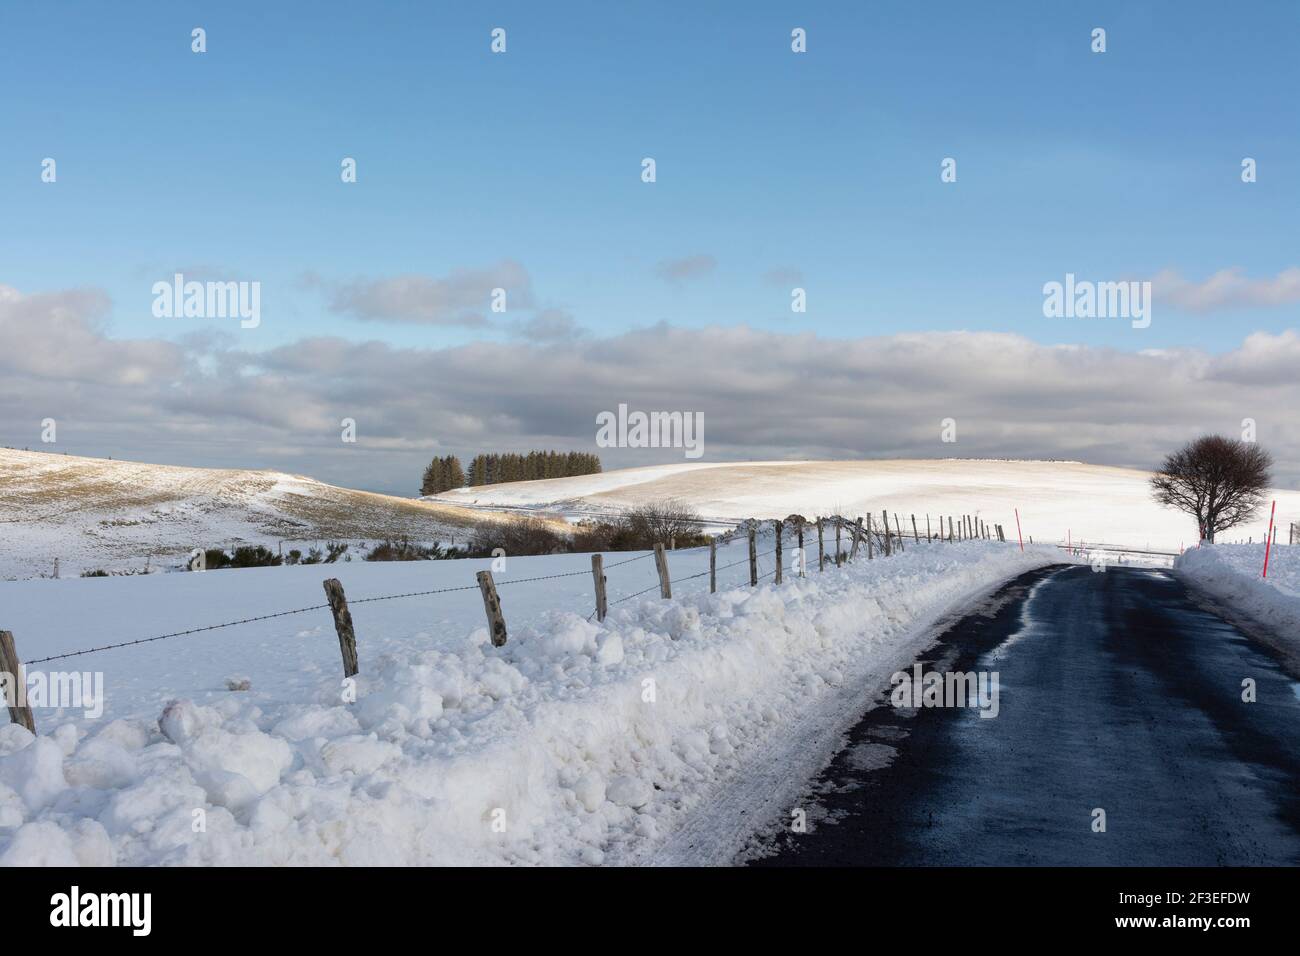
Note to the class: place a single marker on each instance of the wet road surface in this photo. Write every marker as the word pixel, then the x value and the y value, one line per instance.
pixel 1116 692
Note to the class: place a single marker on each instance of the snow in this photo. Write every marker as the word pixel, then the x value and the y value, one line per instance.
pixel 1232 575
pixel 577 742
pixel 1057 499
pixel 118 516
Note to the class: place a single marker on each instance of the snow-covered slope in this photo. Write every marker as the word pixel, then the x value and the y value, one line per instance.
pixel 1055 498
pixel 575 743
pixel 93 513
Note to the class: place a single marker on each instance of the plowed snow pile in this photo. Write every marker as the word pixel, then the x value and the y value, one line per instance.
pixel 1232 575
pixel 575 743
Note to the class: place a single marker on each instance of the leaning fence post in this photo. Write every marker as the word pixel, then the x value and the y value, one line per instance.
pixel 889 548
pixel 343 625
pixel 661 565
pixel 753 556
pixel 821 547
pixel 492 607
pixel 916 535
pixel 11 674
pixel 713 565
pixel 869 549
pixel 853 550
pixel 779 530
pixel 927 527
pixel 598 573
pixel 899 528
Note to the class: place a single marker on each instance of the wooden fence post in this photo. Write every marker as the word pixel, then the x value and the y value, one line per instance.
pixel 916 535
pixel 598 575
pixel 889 545
pixel 803 555
pixel 343 625
pixel 857 533
pixel 661 564
pixel 899 528
pixel 779 530
pixel 753 557
pixel 870 556
pixel 713 565
pixel 821 547
pixel 15 689
pixel 839 558
pixel 927 527
pixel 492 607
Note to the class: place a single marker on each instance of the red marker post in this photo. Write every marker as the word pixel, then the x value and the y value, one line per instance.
pixel 1018 534
pixel 1268 544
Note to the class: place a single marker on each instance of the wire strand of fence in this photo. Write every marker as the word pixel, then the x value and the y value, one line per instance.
pixel 394 597
pixel 160 637
pixel 725 539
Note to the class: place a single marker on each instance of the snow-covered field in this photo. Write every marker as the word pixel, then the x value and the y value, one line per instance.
pixel 1056 498
pixel 94 513
pixel 575 743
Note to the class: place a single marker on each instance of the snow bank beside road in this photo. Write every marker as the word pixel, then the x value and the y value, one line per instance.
pixel 1231 575
pixel 576 743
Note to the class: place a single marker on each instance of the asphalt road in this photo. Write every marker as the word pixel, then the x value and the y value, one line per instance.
pixel 1116 692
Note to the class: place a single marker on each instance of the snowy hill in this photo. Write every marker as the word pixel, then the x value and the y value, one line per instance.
pixel 93 513
pixel 1055 498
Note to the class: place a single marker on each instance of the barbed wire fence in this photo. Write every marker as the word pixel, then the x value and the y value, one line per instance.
pixel 882 540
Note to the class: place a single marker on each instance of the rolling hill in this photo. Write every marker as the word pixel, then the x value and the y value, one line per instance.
pixel 1055 498
pixel 94 513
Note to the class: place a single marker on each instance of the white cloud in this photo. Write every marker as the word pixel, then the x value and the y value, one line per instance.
pixel 206 401
pixel 548 325
pixel 1227 288
pixel 691 267
pixel 462 297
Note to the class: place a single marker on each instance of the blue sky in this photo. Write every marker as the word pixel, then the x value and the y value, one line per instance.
pixel 1115 165
pixel 774 169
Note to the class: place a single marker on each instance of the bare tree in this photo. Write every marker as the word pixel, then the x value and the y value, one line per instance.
pixel 1218 481
pixel 662 521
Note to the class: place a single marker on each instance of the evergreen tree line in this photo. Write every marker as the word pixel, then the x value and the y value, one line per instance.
pixel 444 474
pixel 490 469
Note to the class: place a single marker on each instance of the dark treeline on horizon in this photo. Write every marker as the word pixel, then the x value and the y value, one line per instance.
pixel 444 474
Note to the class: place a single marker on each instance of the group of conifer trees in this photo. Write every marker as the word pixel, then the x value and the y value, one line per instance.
pixel 490 469
pixel 444 474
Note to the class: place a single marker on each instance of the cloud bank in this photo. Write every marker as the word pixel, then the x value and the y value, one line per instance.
pixel 212 400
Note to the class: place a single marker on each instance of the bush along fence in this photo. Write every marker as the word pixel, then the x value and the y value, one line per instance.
pixel 839 540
